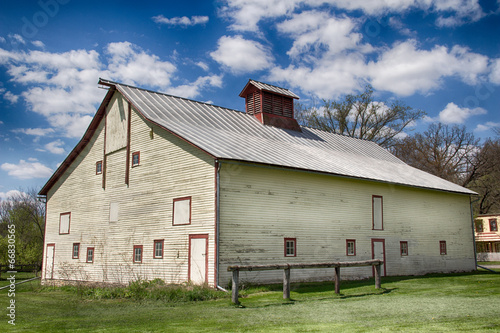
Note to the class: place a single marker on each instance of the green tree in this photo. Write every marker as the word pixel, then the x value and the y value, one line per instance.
pixel 360 116
pixel 27 214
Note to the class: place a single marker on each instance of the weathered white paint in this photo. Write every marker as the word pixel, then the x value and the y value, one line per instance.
pixel 260 206
pixel 169 168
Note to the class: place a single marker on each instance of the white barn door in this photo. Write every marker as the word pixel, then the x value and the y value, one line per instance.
pixel 49 261
pixel 198 259
pixel 378 252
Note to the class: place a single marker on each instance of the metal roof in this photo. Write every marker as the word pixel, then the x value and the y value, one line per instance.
pixel 270 88
pixel 228 134
pixel 234 135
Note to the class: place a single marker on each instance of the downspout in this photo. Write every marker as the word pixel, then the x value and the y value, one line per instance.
pixel 217 222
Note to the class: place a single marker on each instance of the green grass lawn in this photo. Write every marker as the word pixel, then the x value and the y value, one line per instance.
pixel 435 303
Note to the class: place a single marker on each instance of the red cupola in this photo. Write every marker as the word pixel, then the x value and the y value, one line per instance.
pixel 271 105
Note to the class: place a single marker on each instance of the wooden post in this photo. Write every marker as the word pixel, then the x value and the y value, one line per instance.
pixel 235 286
pixel 377 276
pixel 286 283
pixel 337 279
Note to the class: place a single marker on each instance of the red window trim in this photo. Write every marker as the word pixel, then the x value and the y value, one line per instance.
pixel 294 240
pixel 73 251
pixel 93 255
pixel 162 248
pixel 403 254
pixel 442 248
pixel 138 154
pixel 97 172
pixel 69 223
pixel 142 254
pixel 381 211
pixel 347 247
pixel 493 221
pixel 173 209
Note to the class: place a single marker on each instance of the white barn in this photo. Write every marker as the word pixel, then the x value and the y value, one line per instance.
pixel 164 187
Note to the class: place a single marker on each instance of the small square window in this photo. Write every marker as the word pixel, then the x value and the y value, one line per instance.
pixel 158 246
pixel 290 247
pixel 493 225
pixel 137 253
pixel 403 246
pixel 76 251
pixel 136 159
pixel 351 247
pixel 98 168
pixel 90 254
pixel 442 247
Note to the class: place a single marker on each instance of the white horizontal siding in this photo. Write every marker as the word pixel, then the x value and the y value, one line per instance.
pixel 261 206
pixel 169 168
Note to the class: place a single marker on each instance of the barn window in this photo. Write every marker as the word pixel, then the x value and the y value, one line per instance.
pixel 493 225
pixel 76 250
pixel 351 247
pixel 442 247
pixel 158 247
pixel 403 248
pixel 64 221
pixel 98 168
pixel 90 254
pixel 290 247
pixel 182 211
pixel 377 213
pixel 136 158
pixel 114 209
pixel 137 253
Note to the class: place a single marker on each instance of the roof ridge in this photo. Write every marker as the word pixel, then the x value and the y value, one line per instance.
pixel 166 94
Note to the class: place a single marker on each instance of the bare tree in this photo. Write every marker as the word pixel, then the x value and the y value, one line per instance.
pixel 486 178
pixel 444 151
pixel 360 116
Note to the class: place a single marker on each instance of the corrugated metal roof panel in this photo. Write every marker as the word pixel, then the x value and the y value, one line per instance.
pixel 274 89
pixel 234 135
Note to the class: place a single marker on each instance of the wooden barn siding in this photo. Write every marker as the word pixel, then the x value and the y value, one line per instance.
pixel 261 206
pixel 169 168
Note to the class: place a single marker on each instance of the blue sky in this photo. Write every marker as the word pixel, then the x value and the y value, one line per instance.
pixel 441 56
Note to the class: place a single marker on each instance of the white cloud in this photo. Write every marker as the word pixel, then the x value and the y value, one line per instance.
pixel 9 194
pixel 192 90
pixel 34 131
pixel 27 170
pixel 240 55
pixel 17 39
pixel 38 43
pixel 404 69
pixel 181 21
pixel 55 147
pixel 11 97
pixel 246 14
pixel 486 127
pixel 453 114
pixel 495 71
pixel 315 33
pixel 132 65
pixel 202 65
